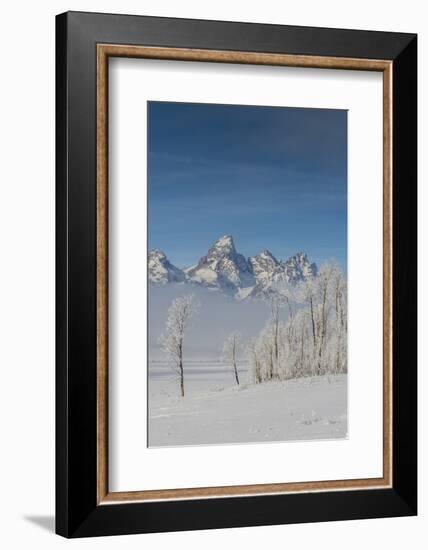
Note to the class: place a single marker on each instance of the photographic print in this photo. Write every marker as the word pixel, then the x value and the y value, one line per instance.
pixel 247 274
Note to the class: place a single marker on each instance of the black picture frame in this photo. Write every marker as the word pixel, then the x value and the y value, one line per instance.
pixel 77 511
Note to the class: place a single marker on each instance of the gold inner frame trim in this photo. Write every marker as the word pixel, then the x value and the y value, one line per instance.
pixel 104 51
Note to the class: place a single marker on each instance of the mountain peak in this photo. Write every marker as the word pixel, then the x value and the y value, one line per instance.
pixel 161 270
pixel 302 256
pixel 299 268
pixel 264 267
pixel 225 242
pixel 267 254
pixel 298 258
pixel 156 253
pixel 223 267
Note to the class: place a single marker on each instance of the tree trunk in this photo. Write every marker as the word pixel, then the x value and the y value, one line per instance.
pixel 180 359
pixel 181 380
pixel 323 328
pixel 234 365
pixel 276 351
pixel 313 321
pixel 302 350
pixel 236 374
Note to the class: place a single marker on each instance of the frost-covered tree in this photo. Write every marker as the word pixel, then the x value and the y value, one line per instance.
pixel 231 348
pixel 276 303
pixel 266 349
pixel 180 313
pixel 269 338
pixel 261 351
pixel 255 361
pixel 330 295
pixel 313 340
pixel 341 320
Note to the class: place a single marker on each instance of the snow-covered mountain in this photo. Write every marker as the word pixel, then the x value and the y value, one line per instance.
pixel 161 271
pixel 271 273
pixel 298 268
pixel 224 269
pixel 264 267
pixel 268 270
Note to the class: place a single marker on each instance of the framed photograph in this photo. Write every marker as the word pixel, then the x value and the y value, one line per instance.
pixel 236 274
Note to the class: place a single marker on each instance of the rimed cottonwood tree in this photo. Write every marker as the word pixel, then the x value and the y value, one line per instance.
pixel 256 364
pixel 180 313
pixel 231 349
pixel 276 303
pixel 313 341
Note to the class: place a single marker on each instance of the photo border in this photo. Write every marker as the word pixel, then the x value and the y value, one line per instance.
pixel 84 42
pixel 104 53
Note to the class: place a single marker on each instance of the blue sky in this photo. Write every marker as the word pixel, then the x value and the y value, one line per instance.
pixel 273 177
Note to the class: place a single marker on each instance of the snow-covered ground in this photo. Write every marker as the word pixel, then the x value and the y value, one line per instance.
pixel 214 410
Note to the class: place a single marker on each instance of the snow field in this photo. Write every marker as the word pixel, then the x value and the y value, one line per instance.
pixel 215 410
